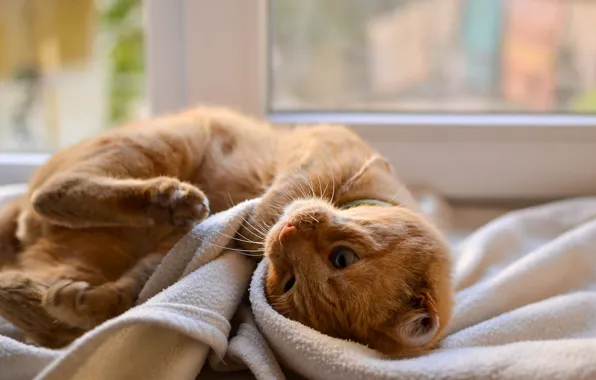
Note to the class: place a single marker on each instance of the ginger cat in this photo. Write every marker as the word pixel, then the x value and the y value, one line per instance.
pixel 348 254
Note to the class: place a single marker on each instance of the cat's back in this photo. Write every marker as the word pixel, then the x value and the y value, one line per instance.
pixel 166 143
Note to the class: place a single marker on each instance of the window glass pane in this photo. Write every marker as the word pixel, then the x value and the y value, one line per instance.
pixel 68 69
pixel 497 56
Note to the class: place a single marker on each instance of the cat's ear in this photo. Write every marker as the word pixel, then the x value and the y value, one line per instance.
pixel 419 327
pixel 382 163
pixel 367 171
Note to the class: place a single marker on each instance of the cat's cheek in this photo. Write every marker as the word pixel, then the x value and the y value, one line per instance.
pixel 270 282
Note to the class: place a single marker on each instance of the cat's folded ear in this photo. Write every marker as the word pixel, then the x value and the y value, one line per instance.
pixel 414 331
pixel 380 162
pixel 419 326
pixel 368 172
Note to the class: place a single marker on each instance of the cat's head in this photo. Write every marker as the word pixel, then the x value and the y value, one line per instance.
pixel 376 275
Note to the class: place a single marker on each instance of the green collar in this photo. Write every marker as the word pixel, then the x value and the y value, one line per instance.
pixel 364 202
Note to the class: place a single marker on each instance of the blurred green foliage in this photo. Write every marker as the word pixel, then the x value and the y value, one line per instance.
pixel 311 33
pixel 121 20
pixel 585 103
pixel 322 22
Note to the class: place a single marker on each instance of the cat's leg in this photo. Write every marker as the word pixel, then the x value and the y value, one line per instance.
pixel 80 304
pixel 9 243
pixel 78 200
pixel 20 304
pixel 134 178
pixel 87 302
pixel 62 285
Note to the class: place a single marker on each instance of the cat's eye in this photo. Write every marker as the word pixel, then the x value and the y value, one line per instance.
pixel 289 284
pixel 342 257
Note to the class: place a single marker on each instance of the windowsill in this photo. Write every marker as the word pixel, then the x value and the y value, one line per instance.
pixel 454 119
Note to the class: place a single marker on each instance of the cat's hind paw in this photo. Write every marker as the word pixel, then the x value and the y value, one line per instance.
pixel 80 304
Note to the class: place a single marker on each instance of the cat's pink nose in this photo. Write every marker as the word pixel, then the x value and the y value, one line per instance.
pixel 285 231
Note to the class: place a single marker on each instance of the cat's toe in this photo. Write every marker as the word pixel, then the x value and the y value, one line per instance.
pixel 178 203
pixel 62 300
pixel 63 292
pixel 163 191
pixel 190 206
pixel 80 304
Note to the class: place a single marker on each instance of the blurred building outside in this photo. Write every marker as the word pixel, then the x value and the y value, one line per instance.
pixel 429 56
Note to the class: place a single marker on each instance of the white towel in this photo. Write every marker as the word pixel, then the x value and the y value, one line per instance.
pixel 525 309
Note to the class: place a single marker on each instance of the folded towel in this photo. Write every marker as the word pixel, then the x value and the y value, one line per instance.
pixel 525 308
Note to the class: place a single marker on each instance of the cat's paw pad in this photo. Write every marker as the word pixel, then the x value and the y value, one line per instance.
pixel 177 202
pixel 82 305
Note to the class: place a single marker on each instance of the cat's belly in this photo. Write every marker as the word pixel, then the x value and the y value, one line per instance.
pixel 237 165
pixel 227 196
pixel 227 182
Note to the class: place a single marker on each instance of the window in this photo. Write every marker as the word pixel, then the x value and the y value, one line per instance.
pixel 68 69
pixel 463 96
pixel 460 128
pixel 433 56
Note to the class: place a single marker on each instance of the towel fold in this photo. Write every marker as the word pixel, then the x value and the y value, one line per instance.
pixel 525 309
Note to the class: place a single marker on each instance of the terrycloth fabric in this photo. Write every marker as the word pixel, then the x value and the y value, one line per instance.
pixel 525 309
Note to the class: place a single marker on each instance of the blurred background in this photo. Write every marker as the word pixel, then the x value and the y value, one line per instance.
pixel 435 55
pixel 70 68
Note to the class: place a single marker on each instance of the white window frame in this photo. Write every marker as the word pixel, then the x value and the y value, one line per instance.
pixel 16 168
pixel 214 52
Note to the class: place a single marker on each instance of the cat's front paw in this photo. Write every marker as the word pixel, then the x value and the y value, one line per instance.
pixel 176 202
